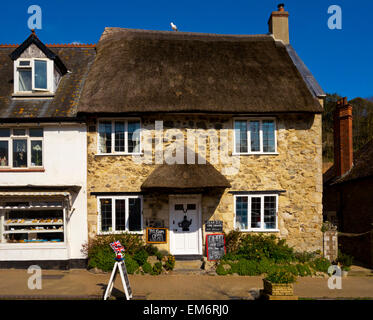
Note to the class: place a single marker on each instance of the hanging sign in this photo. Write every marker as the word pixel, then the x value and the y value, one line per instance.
pixel 214 226
pixel 215 246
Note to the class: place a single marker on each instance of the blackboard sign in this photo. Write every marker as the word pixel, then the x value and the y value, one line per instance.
pixel 156 235
pixel 121 267
pixel 214 226
pixel 215 246
pixel 126 280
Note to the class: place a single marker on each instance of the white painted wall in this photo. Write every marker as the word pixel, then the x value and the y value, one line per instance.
pixel 65 163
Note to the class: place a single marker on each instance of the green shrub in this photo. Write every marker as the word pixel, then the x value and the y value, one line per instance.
pixel 232 241
pixel 170 263
pixel 247 268
pixel 141 257
pixel 320 264
pixel 345 260
pixel 305 256
pixel 151 250
pixel 221 271
pixel 147 267
pixel 303 270
pixel 157 268
pixel 159 255
pixel 131 264
pixel 280 276
pixel 101 257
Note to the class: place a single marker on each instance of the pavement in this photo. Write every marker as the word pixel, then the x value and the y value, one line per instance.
pixel 82 284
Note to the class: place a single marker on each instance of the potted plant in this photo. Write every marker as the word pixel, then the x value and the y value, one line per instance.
pixel 345 262
pixel 279 283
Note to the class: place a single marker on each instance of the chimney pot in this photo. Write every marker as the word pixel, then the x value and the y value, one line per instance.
pixel 278 24
pixel 280 7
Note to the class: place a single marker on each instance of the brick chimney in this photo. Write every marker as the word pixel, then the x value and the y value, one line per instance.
pixel 278 24
pixel 343 148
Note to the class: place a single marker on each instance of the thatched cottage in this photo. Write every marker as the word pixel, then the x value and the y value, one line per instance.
pixel 188 128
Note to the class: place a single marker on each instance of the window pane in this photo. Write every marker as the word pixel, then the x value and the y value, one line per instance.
pixel 36 153
pixel 36 132
pixel 19 153
pixel 19 132
pixel 133 137
pixel 255 212
pixel 254 136
pixel 270 212
pixel 24 79
pixel 4 132
pixel 240 129
pixel 241 213
pixel 104 129
pixel 40 74
pixel 119 136
pixel 268 136
pixel 24 63
pixel 134 223
pixel 106 221
pixel 4 153
pixel 120 215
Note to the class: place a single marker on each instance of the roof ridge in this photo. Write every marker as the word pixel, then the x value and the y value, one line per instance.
pixel 54 45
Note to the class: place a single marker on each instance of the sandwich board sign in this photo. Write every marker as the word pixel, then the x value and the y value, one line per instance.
pixel 121 267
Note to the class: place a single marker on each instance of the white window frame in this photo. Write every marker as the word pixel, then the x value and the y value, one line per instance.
pixel 113 152
pixel 250 196
pixel 113 198
pixel 17 66
pixel 249 152
pixel 25 137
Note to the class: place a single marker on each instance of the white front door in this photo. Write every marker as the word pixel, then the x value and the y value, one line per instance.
pixel 185 225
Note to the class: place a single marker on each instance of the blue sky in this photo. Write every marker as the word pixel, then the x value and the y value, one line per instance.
pixel 341 60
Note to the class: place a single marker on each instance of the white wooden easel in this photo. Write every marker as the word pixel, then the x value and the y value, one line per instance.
pixel 120 265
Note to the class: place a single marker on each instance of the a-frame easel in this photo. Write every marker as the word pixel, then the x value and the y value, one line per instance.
pixel 121 267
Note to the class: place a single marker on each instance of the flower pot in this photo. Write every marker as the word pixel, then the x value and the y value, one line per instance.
pixel 278 289
pixel 344 273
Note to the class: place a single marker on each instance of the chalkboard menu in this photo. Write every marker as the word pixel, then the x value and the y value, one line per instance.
pixel 215 246
pixel 126 280
pixel 214 226
pixel 156 235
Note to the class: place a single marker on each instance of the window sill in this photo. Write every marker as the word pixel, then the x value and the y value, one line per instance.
pixel 118 154
pixel 36 94
pixel 261 230
pixel 18 246
pixel 103 233
pixel 23 170
pixel 256 154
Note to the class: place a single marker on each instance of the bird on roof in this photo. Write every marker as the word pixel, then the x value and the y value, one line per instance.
pixel 173 26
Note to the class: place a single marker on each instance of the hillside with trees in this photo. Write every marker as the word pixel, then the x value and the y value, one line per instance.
pixel 362 123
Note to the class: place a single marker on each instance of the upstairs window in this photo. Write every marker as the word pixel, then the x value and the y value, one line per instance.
pixel 255 136
pixel 31 75
pixel 119 136
pixel 21 147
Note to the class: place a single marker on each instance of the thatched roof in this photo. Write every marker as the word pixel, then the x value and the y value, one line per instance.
pixel 185 176
pixel 161 71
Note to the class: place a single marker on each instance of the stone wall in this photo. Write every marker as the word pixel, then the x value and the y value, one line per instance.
pixel 297 169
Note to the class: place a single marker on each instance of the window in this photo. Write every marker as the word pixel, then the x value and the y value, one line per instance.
pixel 21 147
pixel 119 136
pixel 255 136
pixel 120 214
pixel 31 75
pixel 256 212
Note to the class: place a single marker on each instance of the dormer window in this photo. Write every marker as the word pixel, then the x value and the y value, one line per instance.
pixel 33 75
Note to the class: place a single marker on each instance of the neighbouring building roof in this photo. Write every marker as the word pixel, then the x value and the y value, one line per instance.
pixel 161 71
pixel 185 176
pixel 77 60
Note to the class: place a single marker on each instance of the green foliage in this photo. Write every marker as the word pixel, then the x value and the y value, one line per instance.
pixel 131 264
pixel 320 264
pixel 157 268
pixel 280 276
pixel 303 270
pixel 159 255
pixel 232 241
pixel 305 256
pixel 151 250
pixel 170 263
pixel 345 260
pixel 141 257
pixel 147 267
pixel 101 257
pixel 221 271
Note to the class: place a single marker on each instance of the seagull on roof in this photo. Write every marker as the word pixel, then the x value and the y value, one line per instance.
pixel 173 26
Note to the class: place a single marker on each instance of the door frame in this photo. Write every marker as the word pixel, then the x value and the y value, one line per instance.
pixel 172 198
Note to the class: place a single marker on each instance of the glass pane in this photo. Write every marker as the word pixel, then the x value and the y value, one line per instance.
pixel 255 212
pixel 19 132
pixel 4 154
pixel 4 132
pixel 179 207
pixel 106 221
pixel 120 215
pixel 36 132
pixel 134 222
pixel 133 136
pixel 19 153
pixel 240 129
pixel 36 153
pixel 268 136
pixel 270 212
pixel 191 206
pixel 24 63
pixel 40 74
pixel 119 136
pixel 104 130
pixel 24 80
pixel 254 136
pixel 241 213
